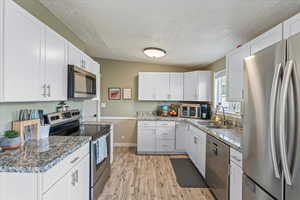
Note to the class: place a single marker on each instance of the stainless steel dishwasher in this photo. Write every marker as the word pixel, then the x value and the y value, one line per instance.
pixel 217 167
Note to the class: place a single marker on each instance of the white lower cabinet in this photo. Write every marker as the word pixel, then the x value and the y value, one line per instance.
pixel 67 180
pixel 197 148
pixel 180 138
pixel 236 175
pixel 146 139
pixel 74 185
pixel 156 137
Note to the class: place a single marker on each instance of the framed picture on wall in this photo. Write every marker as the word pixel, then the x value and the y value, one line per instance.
pixel 127 94
pixel 114 93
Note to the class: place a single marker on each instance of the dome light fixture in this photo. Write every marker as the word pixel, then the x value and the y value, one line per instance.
pixel 154 52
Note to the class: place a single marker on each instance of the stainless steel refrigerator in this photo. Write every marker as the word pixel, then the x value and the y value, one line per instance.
pixel 271 150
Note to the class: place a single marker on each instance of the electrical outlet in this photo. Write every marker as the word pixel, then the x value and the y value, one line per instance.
pixel 103 105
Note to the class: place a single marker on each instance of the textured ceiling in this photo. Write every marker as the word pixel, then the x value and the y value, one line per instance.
pixel 193 32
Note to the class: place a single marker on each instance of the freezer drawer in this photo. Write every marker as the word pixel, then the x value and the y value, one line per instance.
pixel 251 191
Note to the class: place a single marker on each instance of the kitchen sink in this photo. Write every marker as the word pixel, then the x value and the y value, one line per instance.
pixel 213 125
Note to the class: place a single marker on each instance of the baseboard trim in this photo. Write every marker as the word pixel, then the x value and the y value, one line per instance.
pixel 125 145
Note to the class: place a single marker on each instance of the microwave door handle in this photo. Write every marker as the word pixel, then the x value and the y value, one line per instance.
pixel 282 111
pixel 274 91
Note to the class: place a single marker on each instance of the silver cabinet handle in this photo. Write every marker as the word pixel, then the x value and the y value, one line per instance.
pixel 44 90
pixel 274 91
pixel 49 90
pixel 73 179
pixel 74 160
pixel 282 110
pixel 76 176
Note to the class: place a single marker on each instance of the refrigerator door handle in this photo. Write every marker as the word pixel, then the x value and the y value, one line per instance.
pixel 274 91
pixel 282 111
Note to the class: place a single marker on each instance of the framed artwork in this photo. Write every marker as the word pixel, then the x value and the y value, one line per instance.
pixel 127 93
pixel 114 93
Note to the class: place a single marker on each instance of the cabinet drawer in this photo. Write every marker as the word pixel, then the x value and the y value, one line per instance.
pixel 54 174
pixel 146 123
pixel 165 123
pixel 236 157
pixel 165 145
pixel 165 133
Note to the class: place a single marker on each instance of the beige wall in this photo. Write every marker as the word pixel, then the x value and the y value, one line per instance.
pixel 124 74
pixel 43 14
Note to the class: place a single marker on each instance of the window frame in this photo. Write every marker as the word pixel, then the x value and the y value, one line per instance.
pixel 217 87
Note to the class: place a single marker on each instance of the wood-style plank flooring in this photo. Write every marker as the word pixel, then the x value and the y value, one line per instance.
pixel 149 177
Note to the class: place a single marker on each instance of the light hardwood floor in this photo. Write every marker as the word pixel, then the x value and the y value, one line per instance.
pixel 150 177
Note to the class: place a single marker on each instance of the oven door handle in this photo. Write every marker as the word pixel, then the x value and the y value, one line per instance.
pixel 94 142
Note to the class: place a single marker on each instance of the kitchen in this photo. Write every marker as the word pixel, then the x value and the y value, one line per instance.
pixel 189 107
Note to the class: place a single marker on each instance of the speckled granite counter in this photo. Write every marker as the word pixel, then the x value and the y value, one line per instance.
pixel 231 137
pixel 40 156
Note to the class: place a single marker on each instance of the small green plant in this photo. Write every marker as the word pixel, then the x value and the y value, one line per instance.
pixel 11 134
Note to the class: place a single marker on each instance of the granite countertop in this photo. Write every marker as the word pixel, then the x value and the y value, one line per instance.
pixel 40 156
pixel 231 137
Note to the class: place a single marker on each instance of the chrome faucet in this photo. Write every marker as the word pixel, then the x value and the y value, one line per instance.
pixel 223 110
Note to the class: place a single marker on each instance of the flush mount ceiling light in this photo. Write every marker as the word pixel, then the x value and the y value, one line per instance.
pixel 154 52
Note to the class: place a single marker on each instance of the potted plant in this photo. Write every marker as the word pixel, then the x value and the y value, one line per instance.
pixel 11 140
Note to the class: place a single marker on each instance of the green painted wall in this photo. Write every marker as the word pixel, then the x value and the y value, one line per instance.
pixel 8 111
pixel 124 74
pixel 217 65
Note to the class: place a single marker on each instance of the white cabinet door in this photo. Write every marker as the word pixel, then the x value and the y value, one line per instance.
pixel 23 36
pixel 61 189
pixel 235 73
pixel 190 79
pixel 266 39
pixel 162 85
pixel 146 139
pixel 181 136
pixel 291 26
pixel 203 85
pixel 200 151
pixel 176 86
pixel 236 182
pixel 146 86
pixel 55 67
pixel 75 56
pixel 80 189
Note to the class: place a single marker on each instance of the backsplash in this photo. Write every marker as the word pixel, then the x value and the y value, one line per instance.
pixel 9 111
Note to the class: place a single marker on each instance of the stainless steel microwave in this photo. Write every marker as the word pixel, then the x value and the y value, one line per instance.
pixel 81 83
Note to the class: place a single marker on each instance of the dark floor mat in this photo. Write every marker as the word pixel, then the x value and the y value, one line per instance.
pixel 186 173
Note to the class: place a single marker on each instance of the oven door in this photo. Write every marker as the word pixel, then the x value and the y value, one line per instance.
pixel 98 169
pixel 81 83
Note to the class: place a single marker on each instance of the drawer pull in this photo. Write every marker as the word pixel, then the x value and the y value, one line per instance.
pixel 74 160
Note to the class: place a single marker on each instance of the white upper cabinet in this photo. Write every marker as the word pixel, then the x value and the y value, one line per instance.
pixel 267 39
pixel 75 55
pixel 22 55
pixel 162 86
pixel 291 26
pixel 35 58
pixel 176 86
pixel 161 80
pixel 146 86
pixel 55 66
pixel 198 86
pixel 190 79
pixel 235 72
